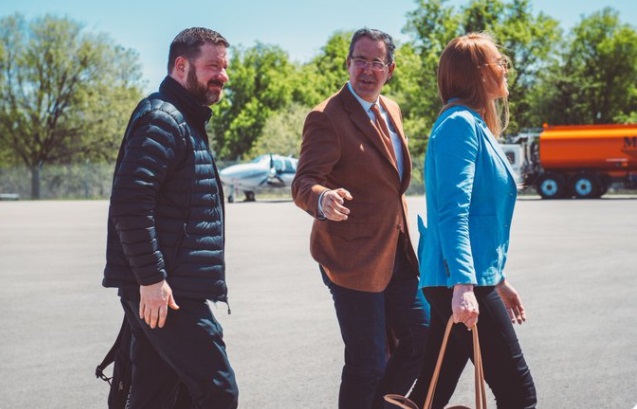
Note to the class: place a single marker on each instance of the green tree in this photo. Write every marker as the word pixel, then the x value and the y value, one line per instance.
pixel 430 27
pixel 282 133
pixel 594 81
pixel 409 87
pixel 5 157
pixel 63 93
pixel 528 39
pixel 258 87
pixel 326 73
pixel 309 84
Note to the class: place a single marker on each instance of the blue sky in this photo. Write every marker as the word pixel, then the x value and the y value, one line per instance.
pixel 299 27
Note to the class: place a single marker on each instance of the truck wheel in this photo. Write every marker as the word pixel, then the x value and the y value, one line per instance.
pixel 550 186
pixel 585 186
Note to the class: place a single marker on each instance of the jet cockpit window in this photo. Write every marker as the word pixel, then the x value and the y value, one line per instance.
pixel 289 166
pixel 278 165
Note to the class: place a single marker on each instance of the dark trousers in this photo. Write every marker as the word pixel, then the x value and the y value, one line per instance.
pixel 505 369
pixel 365 321
pixel 188 351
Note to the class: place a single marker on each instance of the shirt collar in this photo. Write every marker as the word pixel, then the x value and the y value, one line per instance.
pixel 366 105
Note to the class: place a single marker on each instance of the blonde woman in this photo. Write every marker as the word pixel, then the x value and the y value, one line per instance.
pixel 470 195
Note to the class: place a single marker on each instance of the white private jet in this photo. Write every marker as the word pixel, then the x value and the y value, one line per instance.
pixel 265 171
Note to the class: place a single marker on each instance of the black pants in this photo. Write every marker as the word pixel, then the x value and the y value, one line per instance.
pixel 189 350
pixel 505 369
pixel 364 319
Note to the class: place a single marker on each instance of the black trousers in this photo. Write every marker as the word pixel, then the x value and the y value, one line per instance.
pixel 188 351
pixel 505 369
pixel 364 319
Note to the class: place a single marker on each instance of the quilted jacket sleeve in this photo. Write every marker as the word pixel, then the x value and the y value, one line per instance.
pixel 150 153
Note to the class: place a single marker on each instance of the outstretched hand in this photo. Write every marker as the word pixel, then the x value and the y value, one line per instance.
pixel 154 302
pixel 332 204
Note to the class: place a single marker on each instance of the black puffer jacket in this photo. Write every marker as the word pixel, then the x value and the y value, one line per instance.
pixel 166 217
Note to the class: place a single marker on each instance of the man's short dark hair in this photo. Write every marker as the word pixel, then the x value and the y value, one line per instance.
pixel 188 44
pixel 376 35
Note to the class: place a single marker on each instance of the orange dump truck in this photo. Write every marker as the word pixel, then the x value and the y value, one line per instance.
pixel 580 161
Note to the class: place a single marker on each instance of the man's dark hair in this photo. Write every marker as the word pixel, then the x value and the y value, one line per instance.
pixel 376 35
pixel 188 44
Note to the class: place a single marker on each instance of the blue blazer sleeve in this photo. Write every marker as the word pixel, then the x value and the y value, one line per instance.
pixel 455 152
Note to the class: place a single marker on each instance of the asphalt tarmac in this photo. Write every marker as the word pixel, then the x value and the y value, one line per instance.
pixel 573 261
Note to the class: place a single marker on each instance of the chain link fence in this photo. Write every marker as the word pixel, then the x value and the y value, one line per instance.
pixel 77 181
pixel 94 180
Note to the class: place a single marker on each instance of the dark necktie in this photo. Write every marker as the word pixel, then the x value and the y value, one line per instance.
pixel 380 123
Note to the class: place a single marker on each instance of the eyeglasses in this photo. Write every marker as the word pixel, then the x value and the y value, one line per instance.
pixel 502 62
pixel 363 64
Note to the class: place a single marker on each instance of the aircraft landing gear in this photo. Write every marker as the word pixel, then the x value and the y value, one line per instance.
pixel 232 191
pixel 249 196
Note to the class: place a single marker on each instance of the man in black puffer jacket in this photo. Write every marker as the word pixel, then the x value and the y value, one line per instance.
pixel 165 249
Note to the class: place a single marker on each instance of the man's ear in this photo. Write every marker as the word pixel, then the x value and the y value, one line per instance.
pixel 180 69
pixel 390 73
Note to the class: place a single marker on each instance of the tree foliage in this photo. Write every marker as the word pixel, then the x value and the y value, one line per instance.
pixel 542 85
pixel 594 80
pixel 264 83
pixel 258 87
pixel 282 133
pixel 527 39
pixel 64 95
pixel 326 73
pixel 431 26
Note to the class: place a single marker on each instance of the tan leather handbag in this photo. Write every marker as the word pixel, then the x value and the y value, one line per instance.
pixel 481 396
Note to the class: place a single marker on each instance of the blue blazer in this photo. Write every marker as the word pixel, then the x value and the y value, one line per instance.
pixel 470 196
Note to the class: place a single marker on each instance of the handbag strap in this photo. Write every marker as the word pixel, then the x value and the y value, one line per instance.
pixel 481 396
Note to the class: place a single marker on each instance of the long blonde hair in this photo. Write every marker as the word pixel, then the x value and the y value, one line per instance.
pixel 459 77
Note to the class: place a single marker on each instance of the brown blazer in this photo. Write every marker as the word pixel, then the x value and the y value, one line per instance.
pixel 342 148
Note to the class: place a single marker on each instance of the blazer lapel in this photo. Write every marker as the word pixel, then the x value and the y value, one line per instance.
pixel 397 123
pixel 494 144
pixel 500 153
pixel 362 122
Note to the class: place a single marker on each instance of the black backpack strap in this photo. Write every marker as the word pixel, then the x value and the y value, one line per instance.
pixel 110 356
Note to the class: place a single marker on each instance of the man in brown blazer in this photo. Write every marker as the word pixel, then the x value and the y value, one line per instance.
pixel 352 174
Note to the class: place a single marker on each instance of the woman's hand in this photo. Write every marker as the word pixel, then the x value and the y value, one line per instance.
pixel 512 302
pixel 464 305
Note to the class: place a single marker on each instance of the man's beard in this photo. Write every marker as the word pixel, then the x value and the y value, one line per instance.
pixel 201 92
